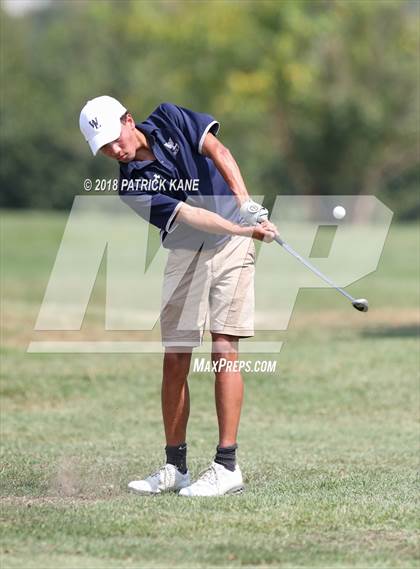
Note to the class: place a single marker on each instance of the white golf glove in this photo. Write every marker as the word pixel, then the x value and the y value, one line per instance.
pixel 253 213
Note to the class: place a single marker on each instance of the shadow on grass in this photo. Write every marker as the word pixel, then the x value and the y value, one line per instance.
pixel 409 331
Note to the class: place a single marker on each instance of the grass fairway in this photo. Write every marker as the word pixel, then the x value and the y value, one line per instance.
pixel 328 444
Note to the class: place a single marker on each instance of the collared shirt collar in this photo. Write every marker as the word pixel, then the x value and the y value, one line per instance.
pixel 140 164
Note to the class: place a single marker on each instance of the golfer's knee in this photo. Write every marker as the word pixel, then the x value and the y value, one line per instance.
pixel 177 364
pixel 224 344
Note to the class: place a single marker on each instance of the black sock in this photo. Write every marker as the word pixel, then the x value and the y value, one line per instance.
pixel 177 455
pixel 226 456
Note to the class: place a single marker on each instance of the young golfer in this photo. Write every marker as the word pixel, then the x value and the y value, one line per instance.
pixel 177 175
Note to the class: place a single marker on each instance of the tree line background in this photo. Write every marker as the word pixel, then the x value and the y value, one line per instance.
pixel 314 97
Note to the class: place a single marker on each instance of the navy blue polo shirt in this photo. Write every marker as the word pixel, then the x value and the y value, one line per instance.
pixel 155 189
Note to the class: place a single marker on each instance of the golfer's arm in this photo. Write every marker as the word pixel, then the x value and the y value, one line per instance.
pixel 227 166
pixel 210 222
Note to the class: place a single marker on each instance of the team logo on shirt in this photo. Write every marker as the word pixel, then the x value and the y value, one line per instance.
pixel 172 146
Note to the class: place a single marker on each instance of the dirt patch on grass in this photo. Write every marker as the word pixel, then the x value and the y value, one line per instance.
pixel 29 501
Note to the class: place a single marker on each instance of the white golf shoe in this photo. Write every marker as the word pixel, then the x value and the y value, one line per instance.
pixel 167 479
pixel 216 481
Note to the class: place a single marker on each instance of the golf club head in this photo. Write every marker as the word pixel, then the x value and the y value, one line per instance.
pixel 361 304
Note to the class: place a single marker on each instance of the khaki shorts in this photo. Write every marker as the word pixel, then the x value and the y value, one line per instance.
pixel 209 289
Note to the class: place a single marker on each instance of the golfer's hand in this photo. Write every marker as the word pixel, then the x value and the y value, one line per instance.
pixel 253 213
pixel 265 231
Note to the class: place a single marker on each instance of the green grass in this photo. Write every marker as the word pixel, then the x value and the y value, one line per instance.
pixel 328 444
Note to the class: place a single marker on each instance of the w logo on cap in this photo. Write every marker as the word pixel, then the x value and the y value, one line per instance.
pixel 94 123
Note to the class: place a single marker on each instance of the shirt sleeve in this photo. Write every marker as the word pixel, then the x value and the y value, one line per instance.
pixel 194 126
pixel 157 209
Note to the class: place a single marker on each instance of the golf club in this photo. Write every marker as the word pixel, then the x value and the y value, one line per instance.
pixel 360 304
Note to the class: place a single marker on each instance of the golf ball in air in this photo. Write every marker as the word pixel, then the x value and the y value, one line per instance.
pixel 339 212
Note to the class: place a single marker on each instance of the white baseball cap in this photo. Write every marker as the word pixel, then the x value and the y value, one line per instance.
pixel 100 121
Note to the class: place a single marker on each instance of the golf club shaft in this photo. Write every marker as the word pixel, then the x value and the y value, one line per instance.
pixel 312 268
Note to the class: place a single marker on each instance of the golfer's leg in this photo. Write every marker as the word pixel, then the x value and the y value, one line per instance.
pixel 175 396
pixel 229 389
pixel 175 407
